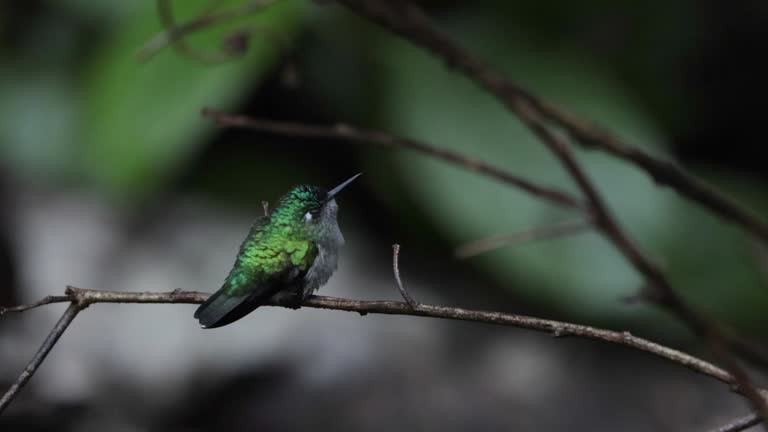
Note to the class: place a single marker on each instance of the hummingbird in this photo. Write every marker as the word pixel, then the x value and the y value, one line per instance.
pixel 287 255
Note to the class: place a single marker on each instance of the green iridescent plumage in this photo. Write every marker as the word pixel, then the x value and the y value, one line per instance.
pixel 276 243
pixel 287 254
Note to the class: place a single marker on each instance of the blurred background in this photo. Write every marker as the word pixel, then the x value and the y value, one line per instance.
pixel 111 179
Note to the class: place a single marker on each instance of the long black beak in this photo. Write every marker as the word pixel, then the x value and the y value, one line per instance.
pixel 335 191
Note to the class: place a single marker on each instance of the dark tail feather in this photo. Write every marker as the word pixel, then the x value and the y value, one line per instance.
pixel 221 309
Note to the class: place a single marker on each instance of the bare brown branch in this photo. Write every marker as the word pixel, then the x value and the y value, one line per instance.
pixel 82 298
pixel 356 135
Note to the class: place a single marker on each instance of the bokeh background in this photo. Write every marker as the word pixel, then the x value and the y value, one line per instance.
pixel 111 179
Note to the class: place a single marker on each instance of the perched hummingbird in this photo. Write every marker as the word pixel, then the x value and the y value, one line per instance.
pixel 286 257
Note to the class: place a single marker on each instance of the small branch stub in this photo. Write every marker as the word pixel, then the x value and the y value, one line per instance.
pixel 265 206
pixel 396 270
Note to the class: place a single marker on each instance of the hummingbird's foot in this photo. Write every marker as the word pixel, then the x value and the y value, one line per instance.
pixel 293 302
pixel 290 300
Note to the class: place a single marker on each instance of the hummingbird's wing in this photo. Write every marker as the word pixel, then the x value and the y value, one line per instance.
pixel 266 264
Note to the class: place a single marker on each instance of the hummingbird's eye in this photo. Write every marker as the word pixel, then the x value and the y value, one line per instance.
pixel 312 214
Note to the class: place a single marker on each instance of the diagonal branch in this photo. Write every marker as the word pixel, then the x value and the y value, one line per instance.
pixel 659 288
pixel 410 22
pixel 66 319
pixel 357 135
pixel 663 172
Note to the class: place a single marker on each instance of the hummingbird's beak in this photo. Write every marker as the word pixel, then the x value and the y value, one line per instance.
pixel 335 191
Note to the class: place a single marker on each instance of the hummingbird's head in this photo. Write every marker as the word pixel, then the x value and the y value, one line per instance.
pixel 313 207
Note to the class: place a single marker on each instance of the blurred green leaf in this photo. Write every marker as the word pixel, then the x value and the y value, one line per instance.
pixel 30 100
pixel 142 120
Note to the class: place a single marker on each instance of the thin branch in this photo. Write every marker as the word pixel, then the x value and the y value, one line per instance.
pixel 740 424
pixel 356 135
pixel 545 232
pixel 409 21
pixel 69 315
pixel 44 301
pixel 396 270
pixel 663 172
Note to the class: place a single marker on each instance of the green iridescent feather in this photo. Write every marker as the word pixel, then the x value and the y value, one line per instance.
pixel 269 252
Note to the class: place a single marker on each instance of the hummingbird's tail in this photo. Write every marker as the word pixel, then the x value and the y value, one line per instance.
pixel 221 309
